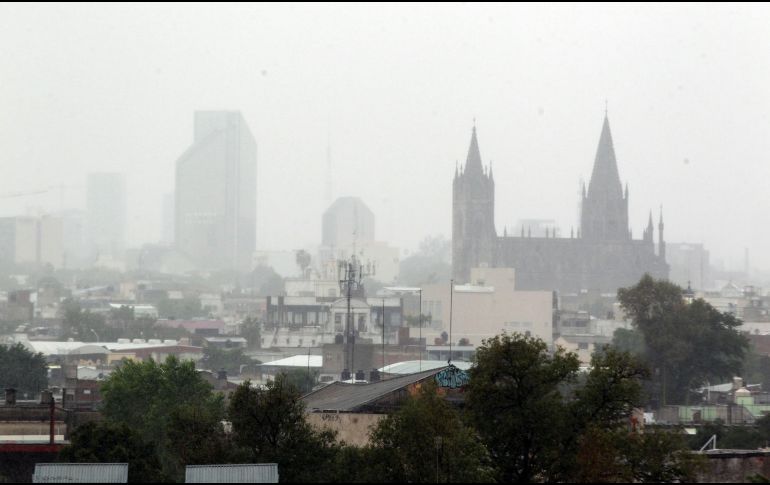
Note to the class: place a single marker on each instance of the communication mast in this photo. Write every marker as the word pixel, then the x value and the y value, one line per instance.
pixel 351 274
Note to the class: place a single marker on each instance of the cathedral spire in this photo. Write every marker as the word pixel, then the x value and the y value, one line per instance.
pixel 648 232
pixel 605 209
pixel 661 241
pixel 605 177
pixel 473 162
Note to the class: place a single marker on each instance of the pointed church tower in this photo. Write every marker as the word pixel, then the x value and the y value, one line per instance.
pixel 604 207
pixel 661 242
pixel 474 238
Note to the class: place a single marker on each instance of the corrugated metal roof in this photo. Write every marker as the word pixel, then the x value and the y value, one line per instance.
pixel 251 473
pixel 80 473
pixel 412 366
pixel 342 397
pixel 297 361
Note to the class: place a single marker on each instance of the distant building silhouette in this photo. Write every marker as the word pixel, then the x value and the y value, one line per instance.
pixel 348 229
pixel 216 193
pixel 346 222
pixel 106 215
pixel 602 255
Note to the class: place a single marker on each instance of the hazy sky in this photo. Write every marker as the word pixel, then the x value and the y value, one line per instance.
pixel 396 88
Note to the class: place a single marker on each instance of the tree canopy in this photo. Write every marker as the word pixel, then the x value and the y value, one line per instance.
pixel 22 369
pixel 168 404
pixel 536 413
pixel 427 441
pixel 270 424
pixel 684 343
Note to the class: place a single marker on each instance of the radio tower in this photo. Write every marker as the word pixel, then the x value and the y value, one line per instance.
pixel 351 274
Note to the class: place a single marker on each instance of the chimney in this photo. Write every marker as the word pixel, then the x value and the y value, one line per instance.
pixel 10 397
pixel 46 397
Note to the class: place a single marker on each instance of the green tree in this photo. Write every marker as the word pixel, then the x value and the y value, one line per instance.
pixel 426 441
pixel 301 380
pixel 196 436
pixel 303 260
pixel 686 344
pixel 154 398
pixel 515 403
pixel 622 456
pixel 251 330
pixel 540 419
pixel 216 359
pixel 107 442
pixel 84 326
pixel 270 424
pixel 430 264
pixel 182 309
pixel 266 281
pixel 22 370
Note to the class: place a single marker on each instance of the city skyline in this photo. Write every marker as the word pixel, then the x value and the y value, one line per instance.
pixel 673 135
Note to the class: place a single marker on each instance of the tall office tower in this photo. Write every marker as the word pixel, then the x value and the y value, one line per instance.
pixel 106 206
pixel 216 193
pixel 346 222
pixel 167 223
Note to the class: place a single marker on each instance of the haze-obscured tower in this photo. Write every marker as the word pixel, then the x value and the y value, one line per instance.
pixel 601 256
pixel 605 208
pixel 473 214
pixel 346 222
pixel 216 193
pixel 106 215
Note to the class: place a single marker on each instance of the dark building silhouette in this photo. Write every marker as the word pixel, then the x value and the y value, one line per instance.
pixel 601 256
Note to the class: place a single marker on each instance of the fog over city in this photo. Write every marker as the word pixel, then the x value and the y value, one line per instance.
pixel 384 243
pixel 388 95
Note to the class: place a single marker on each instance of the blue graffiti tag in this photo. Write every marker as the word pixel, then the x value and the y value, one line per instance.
pixel 452 378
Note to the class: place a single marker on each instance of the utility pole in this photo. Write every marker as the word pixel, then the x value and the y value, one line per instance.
pixel 420 338
pixel 451 309
pixel 383 335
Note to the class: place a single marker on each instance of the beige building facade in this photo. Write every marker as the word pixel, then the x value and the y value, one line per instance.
pixel 489 306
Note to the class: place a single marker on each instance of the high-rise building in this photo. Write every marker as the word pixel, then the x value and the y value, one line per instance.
pixel 106 207
pixel 602 255
pixel 167 223
pixel 31 240
pixel 216 193
pixel 348 229
pixel 346 222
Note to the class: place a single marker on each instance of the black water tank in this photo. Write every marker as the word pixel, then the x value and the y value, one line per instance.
pixel 374 376
pixel 345 375
pixel 360 375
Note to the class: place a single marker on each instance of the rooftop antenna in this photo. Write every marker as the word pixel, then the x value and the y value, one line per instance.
pixel 353 281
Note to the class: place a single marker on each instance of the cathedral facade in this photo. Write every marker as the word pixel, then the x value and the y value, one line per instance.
pixel 602 255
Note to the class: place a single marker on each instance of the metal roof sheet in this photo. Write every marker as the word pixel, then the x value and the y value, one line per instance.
pixel 80 473
pixel 250 473
pixel 339 396
pixel 297 361
pixel 412 366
